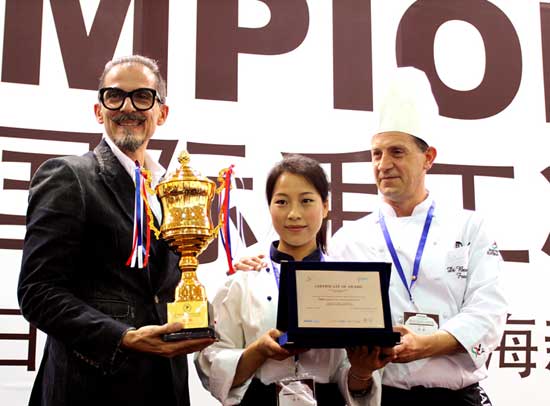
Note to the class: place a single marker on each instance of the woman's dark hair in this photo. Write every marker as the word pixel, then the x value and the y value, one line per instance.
pixel 311 170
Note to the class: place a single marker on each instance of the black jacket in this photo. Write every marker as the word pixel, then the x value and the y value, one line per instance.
pixel 75 287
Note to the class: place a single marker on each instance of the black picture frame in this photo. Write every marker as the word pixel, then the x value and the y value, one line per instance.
pixel 323 337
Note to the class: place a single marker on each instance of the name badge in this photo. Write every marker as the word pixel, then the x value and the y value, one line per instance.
pixel 422 323
pixel 296 392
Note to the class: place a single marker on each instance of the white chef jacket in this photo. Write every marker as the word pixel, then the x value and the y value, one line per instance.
pixel 245 308
pixel 458 280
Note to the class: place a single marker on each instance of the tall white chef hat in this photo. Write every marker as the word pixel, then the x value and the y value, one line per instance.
pixel 408 105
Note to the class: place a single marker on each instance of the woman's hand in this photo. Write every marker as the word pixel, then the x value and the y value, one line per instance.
pixel 364 361
pixel 264 348
pixel 250 263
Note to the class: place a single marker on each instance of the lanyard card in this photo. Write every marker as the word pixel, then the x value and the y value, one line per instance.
pixel 422 323
pixel 299 391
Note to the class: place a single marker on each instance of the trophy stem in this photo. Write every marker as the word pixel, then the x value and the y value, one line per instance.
pixel 188 263
pixel 190 288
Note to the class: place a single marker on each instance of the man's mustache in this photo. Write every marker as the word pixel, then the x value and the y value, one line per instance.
pixel 128 116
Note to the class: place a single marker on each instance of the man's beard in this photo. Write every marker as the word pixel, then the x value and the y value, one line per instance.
pixel 129 142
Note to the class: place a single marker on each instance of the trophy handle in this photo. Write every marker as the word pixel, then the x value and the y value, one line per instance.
pixel 224 180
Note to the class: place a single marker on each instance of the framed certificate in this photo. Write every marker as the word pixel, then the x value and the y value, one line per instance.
pixel 335 304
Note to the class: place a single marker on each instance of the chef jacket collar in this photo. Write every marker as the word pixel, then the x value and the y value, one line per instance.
pixel 278 256
pixel 421 208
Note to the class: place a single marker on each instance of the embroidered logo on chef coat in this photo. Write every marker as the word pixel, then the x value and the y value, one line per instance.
pixel 493 250
pixel 460 271
pixel 457 260
pixel 478 350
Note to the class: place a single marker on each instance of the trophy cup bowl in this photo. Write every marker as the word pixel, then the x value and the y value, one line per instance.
pixel 186 199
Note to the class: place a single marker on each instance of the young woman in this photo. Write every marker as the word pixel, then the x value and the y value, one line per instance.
pixel 247 364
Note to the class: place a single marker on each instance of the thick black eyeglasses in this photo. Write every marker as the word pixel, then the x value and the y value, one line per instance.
pixel 142 99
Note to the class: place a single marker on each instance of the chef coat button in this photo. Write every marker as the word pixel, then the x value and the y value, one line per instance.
pixel 267 269
pixel 269 298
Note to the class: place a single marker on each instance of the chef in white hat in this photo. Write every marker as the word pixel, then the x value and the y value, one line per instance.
pixel 408 105
pixel 445 294
pixel 406 116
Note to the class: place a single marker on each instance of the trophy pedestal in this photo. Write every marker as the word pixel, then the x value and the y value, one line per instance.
pixel 194 314
pixel 191 334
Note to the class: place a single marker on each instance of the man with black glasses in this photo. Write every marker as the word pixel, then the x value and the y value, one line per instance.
pixel 84 281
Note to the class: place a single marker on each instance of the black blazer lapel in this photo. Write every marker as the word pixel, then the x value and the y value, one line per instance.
pixel 122 189
pixel 116 178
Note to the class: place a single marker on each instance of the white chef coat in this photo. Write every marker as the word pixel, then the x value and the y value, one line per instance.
pixel 245 308
pixel 458 280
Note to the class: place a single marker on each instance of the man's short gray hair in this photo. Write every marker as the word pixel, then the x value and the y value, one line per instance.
pixel 141 60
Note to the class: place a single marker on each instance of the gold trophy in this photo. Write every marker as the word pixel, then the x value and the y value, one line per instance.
pixel 186 199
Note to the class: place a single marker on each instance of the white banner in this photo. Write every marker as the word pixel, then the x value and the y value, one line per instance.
pixel 297 76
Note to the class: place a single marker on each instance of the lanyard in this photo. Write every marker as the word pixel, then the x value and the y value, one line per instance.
pixel 276 273
pixel 277 270
pixel 277 276
pixel 419 251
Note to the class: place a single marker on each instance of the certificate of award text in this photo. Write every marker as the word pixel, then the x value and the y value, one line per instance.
pixel 339 299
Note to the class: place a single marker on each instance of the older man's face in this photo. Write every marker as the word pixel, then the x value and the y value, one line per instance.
pixel 400 166
pixel 130 129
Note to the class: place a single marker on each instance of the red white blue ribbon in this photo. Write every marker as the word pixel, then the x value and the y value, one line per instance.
pixel 142 216
pixel 224 220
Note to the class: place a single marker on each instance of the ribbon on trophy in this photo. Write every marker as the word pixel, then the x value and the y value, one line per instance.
pixel 224 191
pixel 143 219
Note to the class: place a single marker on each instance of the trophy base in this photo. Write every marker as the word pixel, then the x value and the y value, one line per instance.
pixel 191 334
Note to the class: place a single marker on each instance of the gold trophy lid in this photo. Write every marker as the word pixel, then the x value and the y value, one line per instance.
pixel 184 172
